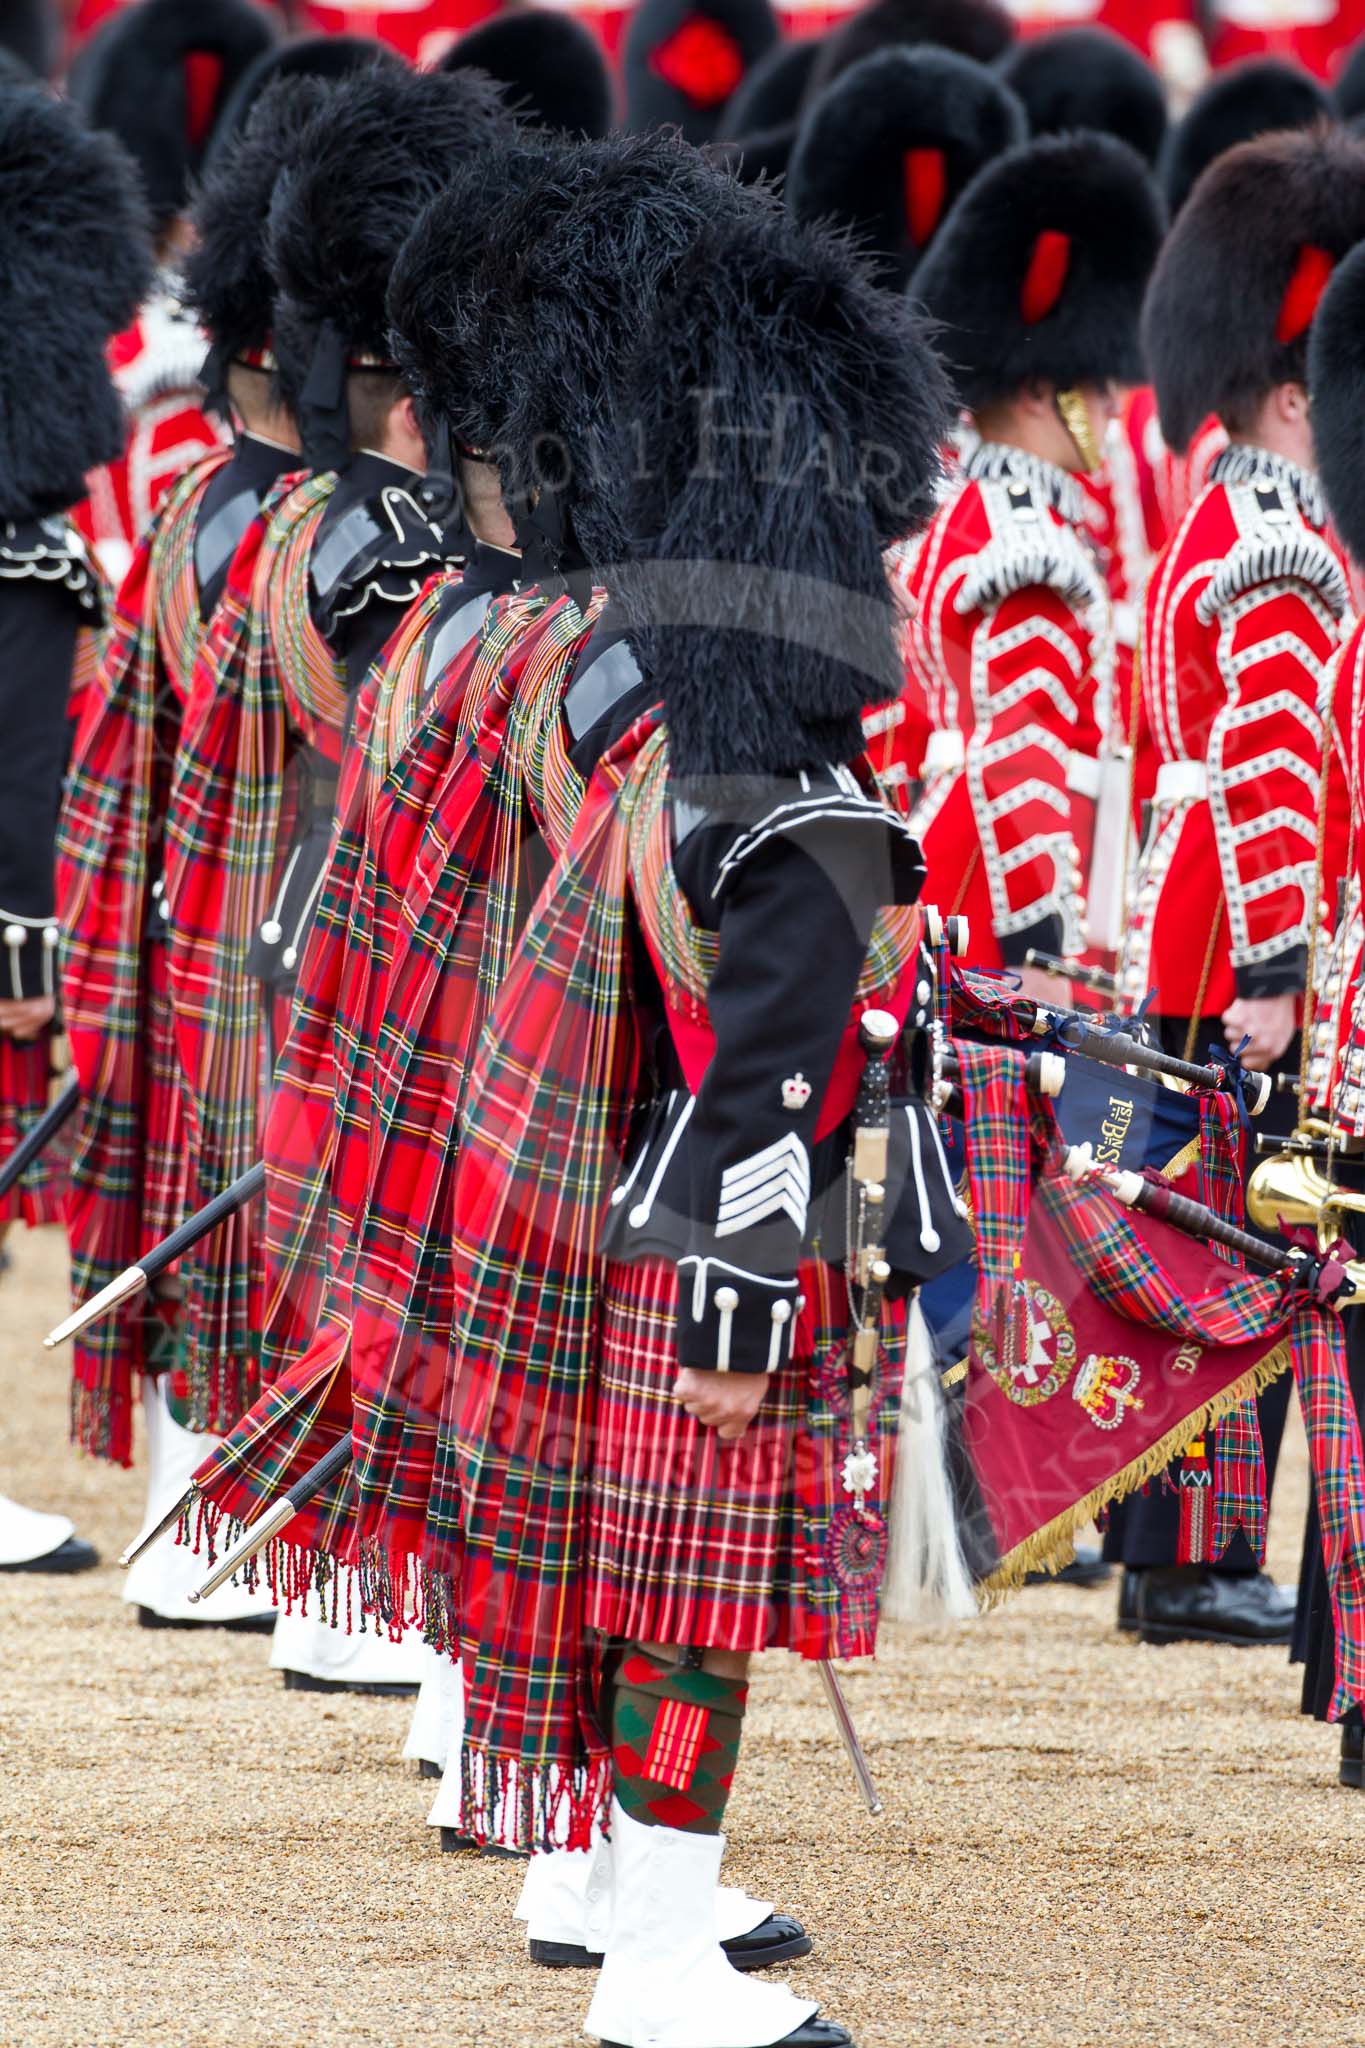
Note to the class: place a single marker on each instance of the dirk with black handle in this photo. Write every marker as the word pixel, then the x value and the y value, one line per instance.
pixel 155 1262
pixel 36 1141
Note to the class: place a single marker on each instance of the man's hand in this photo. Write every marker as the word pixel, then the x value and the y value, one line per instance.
pixel 23 1020
pixel 724 1401
pixel 1268 1021
pixel 1048 989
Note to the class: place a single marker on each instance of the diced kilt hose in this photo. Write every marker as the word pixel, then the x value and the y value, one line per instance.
pixel 751 1545
pixel 128 1155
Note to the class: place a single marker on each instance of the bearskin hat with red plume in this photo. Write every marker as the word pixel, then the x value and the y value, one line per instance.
pixel 550 67
pixel 1088 78
pixel 1229 312
pixel 1259 97
pixel 781 427
pixel 1336 388
pixel 1039 270
pixel 980 29
pixel 684 59
pixel 386 141
pixel 158 75
pixel 518 348
pixel 888 148
pixel 77 264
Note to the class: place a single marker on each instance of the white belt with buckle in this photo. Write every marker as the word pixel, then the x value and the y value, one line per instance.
pixel 1083 775
pixel 1181 782
pixel 945 751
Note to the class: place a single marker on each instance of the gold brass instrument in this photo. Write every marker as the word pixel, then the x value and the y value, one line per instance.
pixel 1290 1189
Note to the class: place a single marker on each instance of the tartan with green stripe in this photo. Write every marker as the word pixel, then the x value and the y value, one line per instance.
pixel 128 1150
pixel 1110 1258
pixel 426 878
pixel 547 1120
pixel 265 684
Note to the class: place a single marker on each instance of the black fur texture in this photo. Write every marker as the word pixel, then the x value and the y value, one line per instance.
pixel 1258 97
pixel 1209 323
pixel 1088 78
pixel 1336 384
pixel 77 264
pixel 28 31
pixel 651 100
pixel 1087 186
pixel 974 28
pixel 771 94
pixel 385 143
pixel 782 423
pixel 758 158
pixel 520 351
pixel 226 276
pixel 301 57
pixel 848 163
pixel 131 80
pixel 551 69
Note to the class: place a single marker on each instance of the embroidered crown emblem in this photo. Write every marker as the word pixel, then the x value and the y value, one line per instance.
pixel 796 1092
pixel 1106 1388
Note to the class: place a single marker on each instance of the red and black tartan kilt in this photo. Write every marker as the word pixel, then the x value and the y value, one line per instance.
pixel 165 1161
pixel 24 1083
pixel 736 1546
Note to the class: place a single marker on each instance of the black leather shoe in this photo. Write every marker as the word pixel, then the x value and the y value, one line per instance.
pixel 775 1940
pixel 452 1842
pixel 1352 1767
pixel 1087 1568
pixel 304 1681
pixel 244 1625
pixel 1190 1604
pixel 1129 1586
pixel 427 1769
pixel 75 1555
pixel 816 2033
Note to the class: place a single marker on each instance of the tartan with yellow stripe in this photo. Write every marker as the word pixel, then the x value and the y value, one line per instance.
pixel 408 919
pixel 126 1176
pixel 265 684
pixel 547 1115
pixel 301 1247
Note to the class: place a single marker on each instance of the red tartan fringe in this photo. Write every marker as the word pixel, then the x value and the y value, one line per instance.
pixel 101 1423
pixel 549 1807
pixel 380 1594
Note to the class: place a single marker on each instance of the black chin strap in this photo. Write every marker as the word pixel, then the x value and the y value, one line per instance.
pixel 549 550
pixel 324 425
pixel 438 492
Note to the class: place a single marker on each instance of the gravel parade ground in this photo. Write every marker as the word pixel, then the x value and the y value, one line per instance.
pixel 1085 1841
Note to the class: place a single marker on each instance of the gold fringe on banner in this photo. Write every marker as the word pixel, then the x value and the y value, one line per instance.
pixel 1053 1546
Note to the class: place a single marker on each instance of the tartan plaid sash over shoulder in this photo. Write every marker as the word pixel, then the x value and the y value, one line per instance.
pixel 424 898
pixel 265 683
pixel 546 1121
pixel 128 1148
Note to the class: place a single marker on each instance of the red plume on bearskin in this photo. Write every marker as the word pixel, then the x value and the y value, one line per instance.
pixel 685 59
pixel 1228 312
pixel 888 148
pixel 158 75
pixel 1040 268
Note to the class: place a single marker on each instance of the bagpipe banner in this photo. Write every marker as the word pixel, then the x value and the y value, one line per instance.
pixel 1104 1342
